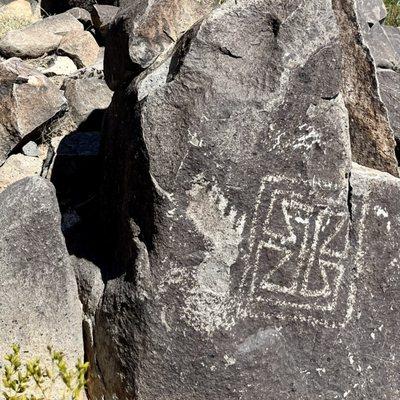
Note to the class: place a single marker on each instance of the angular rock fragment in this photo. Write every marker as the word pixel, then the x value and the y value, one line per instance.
pixel 81 47
pixel 141 32
pixel 39 298
pixel 31 149
pixel 17 167
pixel 39 38
pixel 61 65
pixel 81 15
pixel 382 49
pixel 87 99
pixel 372 140
pixel 28 100
pixel 389 86
pixel 370 12
pixel 102 16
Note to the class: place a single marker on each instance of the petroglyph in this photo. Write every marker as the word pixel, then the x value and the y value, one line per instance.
pixel 299 252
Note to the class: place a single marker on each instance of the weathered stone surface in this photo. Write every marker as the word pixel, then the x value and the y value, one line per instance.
pixel 370 12
pixel 221 197
pixel 26 9
pixel 39 303
pixel 102 15
pixel 81 47
pixel 28 100
pixel 389 86
pixel 81 15
pixel 87 99
pixel 382 49
pixel 39 38
pixel 142 31
pixel 61 65
pixel 393 33
pixel 18 167
pixel 31 149
pixel 372 139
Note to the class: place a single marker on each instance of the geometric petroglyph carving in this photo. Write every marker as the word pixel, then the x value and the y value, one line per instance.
pixel 299 251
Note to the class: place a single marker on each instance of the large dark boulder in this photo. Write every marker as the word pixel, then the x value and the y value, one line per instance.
pixel 39 303
pixel 252 258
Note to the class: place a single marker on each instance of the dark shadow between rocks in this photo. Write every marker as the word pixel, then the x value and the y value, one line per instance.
pixel 77 175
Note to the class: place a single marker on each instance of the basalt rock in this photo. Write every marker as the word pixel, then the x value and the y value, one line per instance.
pixel 28 100
pixel 39 38
pixel 39 303
pixel 372 139
pixel 252 258
pixel 143 31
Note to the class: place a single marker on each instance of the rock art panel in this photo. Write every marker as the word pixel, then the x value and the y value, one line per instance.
pixel 243 265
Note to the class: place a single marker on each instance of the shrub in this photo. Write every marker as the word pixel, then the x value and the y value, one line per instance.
pixel 393 8
pixel 10 22
pixel 30 380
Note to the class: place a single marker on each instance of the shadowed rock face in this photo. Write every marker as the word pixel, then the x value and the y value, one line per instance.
pixel 39 298
pixel 142 31
pixel 246 258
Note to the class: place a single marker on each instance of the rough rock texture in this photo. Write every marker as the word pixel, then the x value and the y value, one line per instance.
pixel 247 263
pixel 20 8
pixel 389 85
pixel 28 99
pixel 142 31
pixel 370 12
pixel 39 38
pixel 81 47
pixel 18 167
pixel 39 303
pixel 81 15
pixel 372 140
pixel 102 15
pixel 87 99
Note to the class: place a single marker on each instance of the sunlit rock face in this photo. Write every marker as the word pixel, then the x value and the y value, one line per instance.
pixel 253 259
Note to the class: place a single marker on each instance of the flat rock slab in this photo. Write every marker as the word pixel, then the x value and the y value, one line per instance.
pixel 39 303
pixel 39 38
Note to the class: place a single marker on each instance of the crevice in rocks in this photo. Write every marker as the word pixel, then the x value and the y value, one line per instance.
pixel 276 26
pixel 227 52
pixel 397 149
pixel 349 197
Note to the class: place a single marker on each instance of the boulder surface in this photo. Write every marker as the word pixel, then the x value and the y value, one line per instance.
pixel 39 303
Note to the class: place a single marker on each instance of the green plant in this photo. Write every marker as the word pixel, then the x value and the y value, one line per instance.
pixel 393 9
pixel 30 380
pixel 10 22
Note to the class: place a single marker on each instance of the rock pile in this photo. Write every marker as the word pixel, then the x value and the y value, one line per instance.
pixel 52 80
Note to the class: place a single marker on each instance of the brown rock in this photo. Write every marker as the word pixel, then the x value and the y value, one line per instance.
pixel 28 99
pixel 102 16
pixel 39 38
pixel 81 46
